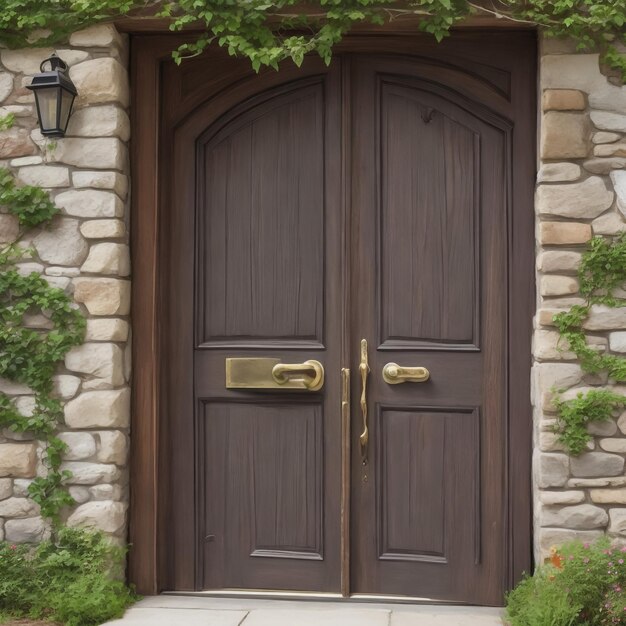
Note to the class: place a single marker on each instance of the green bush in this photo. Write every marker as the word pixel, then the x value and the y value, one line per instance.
pixel 580 585
pixel 76 579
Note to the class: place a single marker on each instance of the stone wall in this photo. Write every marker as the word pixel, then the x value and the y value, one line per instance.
pixel 581 192
pixel 85 252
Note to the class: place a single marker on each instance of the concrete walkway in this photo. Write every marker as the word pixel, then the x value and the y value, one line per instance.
pixel 170 610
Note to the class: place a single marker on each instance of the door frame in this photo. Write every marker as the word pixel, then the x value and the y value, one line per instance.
pixel 146 468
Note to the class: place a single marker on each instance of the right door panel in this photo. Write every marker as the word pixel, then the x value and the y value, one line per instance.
pixel 430 261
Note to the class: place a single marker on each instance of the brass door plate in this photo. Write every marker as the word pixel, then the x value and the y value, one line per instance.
pixel 258 373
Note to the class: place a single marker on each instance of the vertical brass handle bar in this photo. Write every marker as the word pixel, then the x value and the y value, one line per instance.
pixel 364 370
pixel 345 482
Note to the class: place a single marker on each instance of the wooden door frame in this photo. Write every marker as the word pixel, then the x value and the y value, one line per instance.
pixel 147 52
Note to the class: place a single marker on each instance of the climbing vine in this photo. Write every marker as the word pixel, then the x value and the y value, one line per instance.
pixel 602 275
pixel 270 31
pixel 29 356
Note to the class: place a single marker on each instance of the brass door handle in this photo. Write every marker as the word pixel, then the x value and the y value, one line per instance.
pixel 364 370
pixel 395 374
pixel 310 373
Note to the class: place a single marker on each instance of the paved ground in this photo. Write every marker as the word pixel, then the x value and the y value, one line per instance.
pixel 204 611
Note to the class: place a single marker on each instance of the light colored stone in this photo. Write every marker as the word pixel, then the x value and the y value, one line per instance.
pixel 559 261
pixel 617 521
pixel 580 517
pixel 548 345
pixel 103 229
pixel 18 507
pixel 564 135
pixel 61 243
pixel 596 464
pixel 6 488
pixel 44 176
pixel 72 57
pixel 621 423
pixel 552 285
pixel 108 258
pixel 605 120
pixel 70 272
pixel 106 329
pixel 103 362
pixel 571 71
pixel 16 142
pixel 617 341
pixel 558 375
pixel 21 487
pixel 610 150
pixel 549 442
pixel 558 172
pixel 65 386
pixel 102 180
pixel 25 405
pixel 112 447
pixel 563 100
pixel 24 60
pixel 99 81
pixel 99 409
pixel 619 183
pixel 105 515
pixel 100 121
pixel 28 160
pixel 98 36
pixel 613 445
pixel 547 538
pixel 6 85
pixel 30 530
pixel 99 153
pixel 103 296
pixel 562 233
pixel 611 223
pixel 13 389
pixel 605 428
pixel 608 496
pixel 90 473
pixel 603 317
pixel 577 200
pixel 597 482
pixel 79 493
pixel 9 228
pixel 80 445
pixel 106 492
pixel 604 165
pixel 551 469
pixel 18 459
pixel 90 203
pixel 17 110
pixel 605 137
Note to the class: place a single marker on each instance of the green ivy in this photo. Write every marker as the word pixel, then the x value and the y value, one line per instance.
pixel 29 356
pixel 602 272
pixel 270 31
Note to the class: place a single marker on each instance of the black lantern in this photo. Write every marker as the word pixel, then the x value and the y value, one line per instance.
pixel 54 96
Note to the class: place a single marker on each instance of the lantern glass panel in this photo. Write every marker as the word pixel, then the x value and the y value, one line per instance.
pixel 47 107
pixel 67 99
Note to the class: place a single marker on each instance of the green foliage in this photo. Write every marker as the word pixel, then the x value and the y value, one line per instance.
pixel 30 356
pixel 581 584
pixel 75 580
pixel 7 121
pixel 270 31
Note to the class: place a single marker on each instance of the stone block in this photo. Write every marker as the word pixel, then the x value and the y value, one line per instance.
pixel 621 423
pixel 29 530
pixel 561 497
pixel 564 135
pixel 102 180
pixel 80 445
pixel 79 493
pixel 6 85
pixel 103 229
pixel 72 57
pixel 103 296
pixel 44 176
pixel 588 483
pixel 9 228
pixel 603 317
pixel 108 258
pixel 563 100
pixel 578 517
pixel 608 496
pixel 98 36
pixel 90 473
pixel 18 507
pixel 24 60
pixel 558 172
pixel 564 233
pixel 61 243
pixel 559 261
pixel 100 121
pixel 617 341
pixel 105 515
pixel 596 464
pixel 605 120
pixel 605 137
pixel 547 538
pixel 90 203
pixel 106 329
pixel 18 459
pixel 548 345
pixel 16 142
pixel 106 492
pixel 558 375
pixel 553 285
pixel 610 150
pixel 6 488
pixel 613 445
pixel 605 428
pixel 610 223
pixel 28 160
pixel 100 81
pixel 618 179
pixel 551 469
pixel 577 200
pixel 617 521
pixel 103 362
pixel 100 153
pixel 112 447
pixel 99 409
pixel 604 165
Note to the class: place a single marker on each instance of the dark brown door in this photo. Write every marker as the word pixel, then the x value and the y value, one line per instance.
pixel 309 210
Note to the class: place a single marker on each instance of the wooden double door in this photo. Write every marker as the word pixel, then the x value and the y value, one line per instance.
pixel 360 216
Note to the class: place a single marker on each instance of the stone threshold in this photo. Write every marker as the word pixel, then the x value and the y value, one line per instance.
pixel 203 610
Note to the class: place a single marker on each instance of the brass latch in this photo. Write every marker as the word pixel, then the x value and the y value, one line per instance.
pixel 271 373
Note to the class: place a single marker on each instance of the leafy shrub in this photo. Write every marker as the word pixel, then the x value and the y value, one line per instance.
pixel 580 585
pixel 75 580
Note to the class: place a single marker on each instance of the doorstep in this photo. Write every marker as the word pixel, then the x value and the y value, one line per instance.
pixel 174 610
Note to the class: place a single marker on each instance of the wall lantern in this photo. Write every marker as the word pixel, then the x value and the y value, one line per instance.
pixel 54 96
